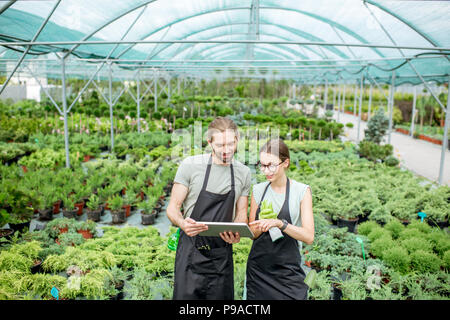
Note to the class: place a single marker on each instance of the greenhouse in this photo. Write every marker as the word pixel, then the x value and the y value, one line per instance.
pixel 101 103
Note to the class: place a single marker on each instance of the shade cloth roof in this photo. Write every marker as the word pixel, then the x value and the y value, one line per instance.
pixel 307 41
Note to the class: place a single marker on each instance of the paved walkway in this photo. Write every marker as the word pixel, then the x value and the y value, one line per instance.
pixel 419 156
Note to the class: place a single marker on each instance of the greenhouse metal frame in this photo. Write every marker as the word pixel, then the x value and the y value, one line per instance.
pixel 349 42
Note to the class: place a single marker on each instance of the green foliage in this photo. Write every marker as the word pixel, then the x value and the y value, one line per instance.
pixel 373 151
pixel 415 244
pixel 395 227
pixel 380 245
pixel 377 127
pixel 397 258
pixel 425 261
pixel 366 227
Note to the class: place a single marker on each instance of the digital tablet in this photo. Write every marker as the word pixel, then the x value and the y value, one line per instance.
pixel 214 228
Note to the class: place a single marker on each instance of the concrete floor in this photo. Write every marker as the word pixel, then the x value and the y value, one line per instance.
pixel 419 156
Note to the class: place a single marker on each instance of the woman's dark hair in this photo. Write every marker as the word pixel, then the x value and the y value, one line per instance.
pixel 276 147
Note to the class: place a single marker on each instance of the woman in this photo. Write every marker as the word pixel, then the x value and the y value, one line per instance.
pixel 274 269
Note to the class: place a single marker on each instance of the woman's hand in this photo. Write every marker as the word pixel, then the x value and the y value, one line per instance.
pixel 265 224
pixel 193 228
pixel 230 237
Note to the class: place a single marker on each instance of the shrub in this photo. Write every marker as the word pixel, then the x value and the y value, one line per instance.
pixel 391 161
pixel 395 227
pixel 366 227
pixel 411 233
pixel 397 258
pixel 424 261
pixel 379 246
pixel 414 244
pixel 420 226
pixel 378 233
pixel 446 259
pixel 376 127
pixel 372 151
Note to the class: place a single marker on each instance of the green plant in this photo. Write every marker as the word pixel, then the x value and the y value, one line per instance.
pixel 414 244
pixel 53 227
pixel 87 225
pixel 376 127
pixel 71 238
pixel 115 203
pixel 143 287
pixel 380 245
pixel 424 261
pixel 322 287
pixel 366 227
pixel 397 258
pixel 97 285
pixel 130 198
pixel 13 261
pixel 69 203
pixel 395 227
pixel 146 206
pixel 93 202
pixel 373 151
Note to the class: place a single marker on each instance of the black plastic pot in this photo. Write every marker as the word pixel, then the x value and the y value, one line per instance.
pixel 94 215
pixel 71 214
pixel 337 293
pixel 20 226
pixel 350 224
pixel 118 216
pixel 440 224
pixel 158 207
pixel 118 296
pixel 36 268
pixel 6 234
pixel 46 214
pixel 148 219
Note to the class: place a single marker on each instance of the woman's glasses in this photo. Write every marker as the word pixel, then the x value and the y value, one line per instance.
pixel 271 167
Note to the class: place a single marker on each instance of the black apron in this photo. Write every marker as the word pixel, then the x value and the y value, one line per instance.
pixel 204 265
pixel 273 268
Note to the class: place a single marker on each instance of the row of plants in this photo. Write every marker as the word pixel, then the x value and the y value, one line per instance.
pixel 361 267
pixel 105 183
pixel 121 263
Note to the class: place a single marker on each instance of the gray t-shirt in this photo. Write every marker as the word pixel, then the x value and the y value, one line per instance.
pixel 191 174
pixel 297 192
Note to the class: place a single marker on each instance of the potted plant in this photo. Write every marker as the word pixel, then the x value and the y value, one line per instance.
pixel 71 239
pixel 118 281
pixel 45 207
pixel 148 213
pixel 5 233
pixel 94 208
pixel 69 210
pixel 58 226
pixel 348 216
pixel 87 229
pixel 117 211
pixel 21 212
pixel 128 201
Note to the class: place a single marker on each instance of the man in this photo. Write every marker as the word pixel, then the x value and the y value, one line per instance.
pixel 211 187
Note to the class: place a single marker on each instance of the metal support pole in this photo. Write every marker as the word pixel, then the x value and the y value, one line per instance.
pixel 138 101
pixel 343 101
pixel 370 102
pixel 155 95
pixel 325 98
pixel 334 95
pixel 354 99
pixel 111 108
pixel 339 102
pixel 445 141
pixel 64 102
pixel 360 106
pixel 413 115
pixel 391 106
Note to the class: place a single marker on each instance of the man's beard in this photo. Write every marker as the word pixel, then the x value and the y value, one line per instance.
pixel 219 156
